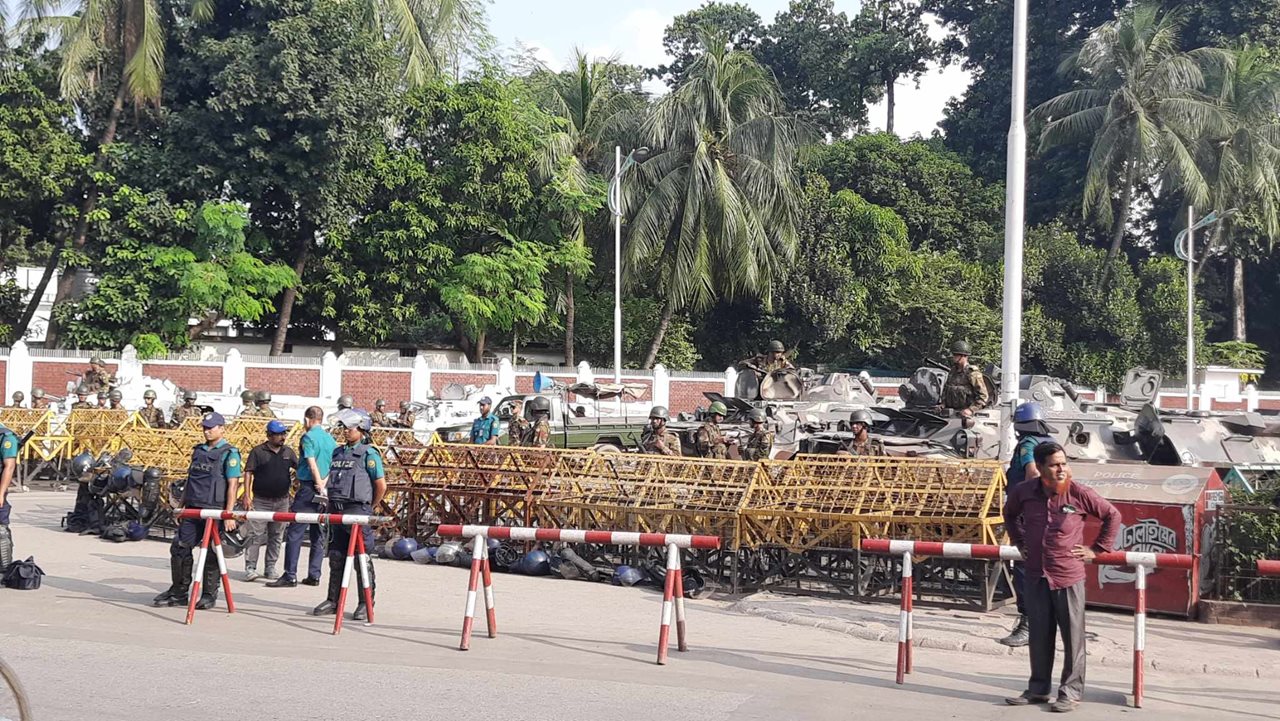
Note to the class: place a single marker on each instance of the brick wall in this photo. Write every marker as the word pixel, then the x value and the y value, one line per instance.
pixel 365 387
pixel 283 380
pixel 205 378
pixel 686 395
pixel 462 378
pixel 524 383
pixel 53 376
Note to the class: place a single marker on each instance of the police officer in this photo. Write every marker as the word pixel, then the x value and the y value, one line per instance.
pixel 407 418
pixel 212 481
pixel 539 435
pixel 656 439
pixel 153 416
pixel 965 390
pixel 862 444
pixel 97 378
pixel 357 483
pixel 709 441
pixel 484 430
pixel 760 443
pixel 8 467
pixel 114 399
pixel 1030 428
pixel 18 397
pixel 38 399
pixel 82 399
pixel 262 399
pixel 186 410
pixel 345 403
pixel 518 427
pixel 246 403
pixel 379 417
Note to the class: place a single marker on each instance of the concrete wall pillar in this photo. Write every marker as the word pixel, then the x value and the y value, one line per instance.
pixel 585 375
pixel 18 371
pixel 420 379
pixel 233 373
pixel 1251 397
pixel 661 386
pixel 730 382
pixel 506 375
pixel 330 376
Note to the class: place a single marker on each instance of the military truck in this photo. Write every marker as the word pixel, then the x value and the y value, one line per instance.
pixel 569 429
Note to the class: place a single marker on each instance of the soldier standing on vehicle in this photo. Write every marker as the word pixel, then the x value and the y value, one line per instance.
pixel 18 397
pixel 709 439
pixel 82 399
pixel 379 417
pixel 407 418
pixel 656 439
pixel 186 410
pixel 262 399
pixel 518 427
pixel 539 435
pixel 760 443
pixel 246 403
pixel 97 378
pixel 965 389
pixel 484 430
pixel 774 359
pixel 153 416
pixel 862 444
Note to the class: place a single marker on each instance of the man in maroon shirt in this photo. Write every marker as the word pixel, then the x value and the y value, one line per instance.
pixel 1045 520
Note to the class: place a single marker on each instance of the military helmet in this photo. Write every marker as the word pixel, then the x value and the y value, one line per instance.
pixel 82 390
pixel 354 418
pixel 262 397
pixel 718 408
pixel 658 412
pixel 345 402
pixel 115 395
pixel 961 347
pixel 103 395
pixel 18 396
pixel 860 416
pixel 37 393
pixel 404 405
pixel 148 395
pixel 96 361
pixel 1028 412
pixel 152 474
pixel 540 404
pixel 777 346
pixel 379 404
pixel 246 396
pixel 188 395
pixel 756 415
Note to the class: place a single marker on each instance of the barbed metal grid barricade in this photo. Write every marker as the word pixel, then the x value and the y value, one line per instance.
pixel 1142 563
pixel 355 550
pixel 672 593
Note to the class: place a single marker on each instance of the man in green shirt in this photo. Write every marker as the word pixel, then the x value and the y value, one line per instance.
pixel 316 454
pixel 8 466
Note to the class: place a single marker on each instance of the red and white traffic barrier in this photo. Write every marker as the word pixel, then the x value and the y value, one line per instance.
pixel 1268 568
pixel 1142 563
pixel 355 550
pixel 672 594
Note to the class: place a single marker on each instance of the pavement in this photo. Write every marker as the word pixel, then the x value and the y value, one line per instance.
pixel 89 645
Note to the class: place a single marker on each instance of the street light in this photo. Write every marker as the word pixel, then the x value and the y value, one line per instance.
pixel 1015 196
pixel 615 205
pixel 1189 254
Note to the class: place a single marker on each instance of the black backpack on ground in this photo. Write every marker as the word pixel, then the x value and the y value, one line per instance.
pixel 23 575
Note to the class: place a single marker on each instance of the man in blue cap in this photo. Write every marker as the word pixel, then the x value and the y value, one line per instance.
pixel 267 478
pixel 313 472
pixel 212 480
pixel 485 430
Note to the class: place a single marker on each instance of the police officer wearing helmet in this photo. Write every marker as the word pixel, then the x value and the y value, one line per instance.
pixel 656 439
pixel 965 390
pixel 540 432
pixel 82 399
pixel 862 444
pixel 153 416
pixel 18 397
pixel 114 399
pixel 709 440
pixel 379 417
pixel 8 467
pixel 1030 428
pixel 212 481
pixel 186 410
pixel 246 403
pixel 518 428
pixel 262 399
pixel 760 443
pixel 357 483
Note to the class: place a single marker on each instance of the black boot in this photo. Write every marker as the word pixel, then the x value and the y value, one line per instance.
pixel 180 574
pixel 362 611
pixel 209 584
pixel 1020 635
pixel 6 548
pixel 330 604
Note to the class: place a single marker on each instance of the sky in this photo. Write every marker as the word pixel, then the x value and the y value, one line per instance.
pixel 633 30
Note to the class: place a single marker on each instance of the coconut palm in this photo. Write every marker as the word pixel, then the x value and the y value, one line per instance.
pixel 1140 106
pixel 714 209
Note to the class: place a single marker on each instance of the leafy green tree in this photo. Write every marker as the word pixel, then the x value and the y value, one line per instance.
pixel 714 209
pixel 640 318
pixel 1139 105
pixel 895 44
pixel 736 22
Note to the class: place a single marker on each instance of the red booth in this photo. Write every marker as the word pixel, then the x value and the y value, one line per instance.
pixel 1166 509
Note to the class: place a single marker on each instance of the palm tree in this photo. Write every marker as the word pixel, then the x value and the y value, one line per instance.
pixel 715 207
pixel 1242 164
pixel 1141 109
pixel 593 108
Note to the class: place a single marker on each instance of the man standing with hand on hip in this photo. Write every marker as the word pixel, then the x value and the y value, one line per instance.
pixel 1045 519
pixel 313 472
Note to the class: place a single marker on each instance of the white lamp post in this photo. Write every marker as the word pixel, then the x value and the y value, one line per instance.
pixel 1015 189
pixel 615 205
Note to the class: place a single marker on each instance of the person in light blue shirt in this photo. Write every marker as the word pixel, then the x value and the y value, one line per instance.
pixel 316 453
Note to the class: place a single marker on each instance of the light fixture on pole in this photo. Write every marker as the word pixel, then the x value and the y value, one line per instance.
pixel 1015 196
pixel 1188 253
pixel 615 206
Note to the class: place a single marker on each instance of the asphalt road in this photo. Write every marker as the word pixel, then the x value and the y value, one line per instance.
pixel 89 646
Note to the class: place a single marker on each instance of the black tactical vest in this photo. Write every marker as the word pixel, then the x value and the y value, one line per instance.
pixel 349 479
pixel 207 477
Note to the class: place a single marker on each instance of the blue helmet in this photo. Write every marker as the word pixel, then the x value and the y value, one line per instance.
pixel 135 531
pixel 121 479
pixel 534 563
pixel 627 576
pixel 1028 412
pixel 404 548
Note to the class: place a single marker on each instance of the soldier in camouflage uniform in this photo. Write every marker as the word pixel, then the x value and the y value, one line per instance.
pixel 38 399
pixel 862 444
pixel 18 397
pixel 518 427
pixel 539 434
pixel 407 417
pixel 965 389
pixel 153 416
pixel 656 439
pixel 82 399
pixel 709 441
pixel 115 400
pixel 246 403
pixel 774 359
pixel 97 378
pixel 760 443
pixel 102 399
pixel 186 410
pixel 262 401
pixel 379 417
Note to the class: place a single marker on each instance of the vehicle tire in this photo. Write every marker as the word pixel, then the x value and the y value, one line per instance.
pixel 606 448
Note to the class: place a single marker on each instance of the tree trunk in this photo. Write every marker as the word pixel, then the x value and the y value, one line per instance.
pixel 668 310
pixel 1122 220
pixel 66 281
pixel 568 318
pixel 890 102
pixel 1238 331
pixel 306 239
pixel 29 312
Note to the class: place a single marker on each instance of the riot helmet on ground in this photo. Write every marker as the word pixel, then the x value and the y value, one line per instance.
pixel 81 464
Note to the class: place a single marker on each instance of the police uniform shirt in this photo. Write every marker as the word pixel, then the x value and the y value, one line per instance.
pixel 484 428
pixel 231 468
pixel 344 478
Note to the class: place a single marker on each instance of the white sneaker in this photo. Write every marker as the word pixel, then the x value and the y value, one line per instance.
pixel 251 575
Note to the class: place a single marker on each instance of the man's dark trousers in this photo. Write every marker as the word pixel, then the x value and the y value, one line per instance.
pixel 304 502
pixel 1051 612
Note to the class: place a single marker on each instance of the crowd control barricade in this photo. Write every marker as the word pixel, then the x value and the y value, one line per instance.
pixel 1268 568
pixel 355 550
pixel 672 592
pixel 1142 563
